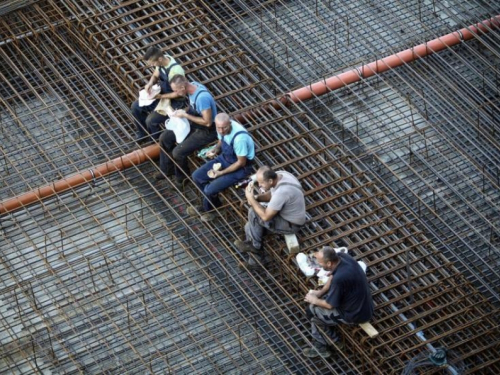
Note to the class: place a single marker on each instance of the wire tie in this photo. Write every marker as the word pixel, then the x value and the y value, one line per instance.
pixel 93 176
pixel 460 35
pixel 360 74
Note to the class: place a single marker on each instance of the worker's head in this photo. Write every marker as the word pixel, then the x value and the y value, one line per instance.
pixel 179 84
pixel 223 123
pixel 266 178
pixel 154 57
pixel 327 258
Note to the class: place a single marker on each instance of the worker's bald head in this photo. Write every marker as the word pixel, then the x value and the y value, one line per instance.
pixel 222 118
pixel 327 258
pixel 223 123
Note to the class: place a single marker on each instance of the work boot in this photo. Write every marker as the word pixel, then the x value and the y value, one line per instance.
pixel 207 217
pixel 317 351
pixel 193 211
pixel 246 247
pixel 159 176
pixel 179 184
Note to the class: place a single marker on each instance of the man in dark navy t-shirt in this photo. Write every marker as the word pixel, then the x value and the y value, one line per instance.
pixel 345 298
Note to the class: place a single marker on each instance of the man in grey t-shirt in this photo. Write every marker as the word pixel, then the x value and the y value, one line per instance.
pixel 285 212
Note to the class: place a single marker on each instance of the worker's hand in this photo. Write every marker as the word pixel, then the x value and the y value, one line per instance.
pixel 217 174
pixel 311 298
pixel 179 113
pixel 249 191
pixel 148 87
pixel 314 292
pixel 211 154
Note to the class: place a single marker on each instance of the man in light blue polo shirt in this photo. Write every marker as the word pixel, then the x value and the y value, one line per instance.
pixel 201 116
pixel 235 151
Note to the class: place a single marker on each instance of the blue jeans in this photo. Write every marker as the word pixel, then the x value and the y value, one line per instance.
pixel 174 157
pixel 148 121
pixel 212 187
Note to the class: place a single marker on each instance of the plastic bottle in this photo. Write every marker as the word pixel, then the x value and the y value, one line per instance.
pixel 245 182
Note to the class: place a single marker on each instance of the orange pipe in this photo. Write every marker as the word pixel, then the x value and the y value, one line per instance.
pixel 378 66
pixel 302 94
pixel 393 61
pixel 126 161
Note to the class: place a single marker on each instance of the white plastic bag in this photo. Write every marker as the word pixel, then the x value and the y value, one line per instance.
pixel 180 127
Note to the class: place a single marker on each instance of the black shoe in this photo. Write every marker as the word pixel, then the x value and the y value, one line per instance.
pixel 245 247
pixel 245 265
pixel 178 184
pixel 159 176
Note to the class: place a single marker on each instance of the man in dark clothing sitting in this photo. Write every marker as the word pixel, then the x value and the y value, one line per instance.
pixel 150 122
pixel 345 298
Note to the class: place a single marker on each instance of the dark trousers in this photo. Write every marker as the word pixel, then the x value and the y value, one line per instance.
pixel 211 187
pixel 174 157
pixel 148 121
pixel 331 318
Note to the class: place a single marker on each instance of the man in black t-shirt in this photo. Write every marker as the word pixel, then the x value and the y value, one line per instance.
pixel 345 298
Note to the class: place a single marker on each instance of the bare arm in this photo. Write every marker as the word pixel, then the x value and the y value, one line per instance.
pixel 266 197
pixel 154 78
pixel 314 296
pixel 204 120
pixel 264 213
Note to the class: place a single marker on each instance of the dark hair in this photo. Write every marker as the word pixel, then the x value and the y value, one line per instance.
pixel 178 78
pixel 329 254
pixel 153 53
pixel 269 174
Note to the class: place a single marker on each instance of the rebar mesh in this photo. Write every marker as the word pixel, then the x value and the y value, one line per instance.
pixel 114 277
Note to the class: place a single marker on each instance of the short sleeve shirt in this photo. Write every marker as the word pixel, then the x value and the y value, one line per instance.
pixel 349 291
pixel 243 144
pixel 288 199
pixel 175 70
pixel 204 100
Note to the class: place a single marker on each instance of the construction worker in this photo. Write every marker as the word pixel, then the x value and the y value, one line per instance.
pixel 285 212
pixel 233 154
pixel 345 298
pixel 201 116
pixel 149 121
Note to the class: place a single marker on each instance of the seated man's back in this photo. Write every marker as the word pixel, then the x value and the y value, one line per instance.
pixel 349 291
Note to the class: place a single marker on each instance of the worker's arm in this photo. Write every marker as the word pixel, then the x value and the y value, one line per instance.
pixel 312 299
pixel 265 213
pixel 240 163
pixel 168 95
pixel 314 296
pixel 215 151
pixel 204 120
pixel 154 78
pixel 266 197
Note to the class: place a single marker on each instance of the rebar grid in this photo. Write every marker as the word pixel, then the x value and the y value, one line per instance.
pixel 418 133
pixel 126 218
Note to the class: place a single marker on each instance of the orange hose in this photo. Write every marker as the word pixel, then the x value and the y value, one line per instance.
pixel 376 67
pixel 126 161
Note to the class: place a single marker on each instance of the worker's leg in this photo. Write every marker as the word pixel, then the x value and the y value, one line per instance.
pixel 330 318
pixel 215 186
pixel 167 144
pixel 155 124
pixel 281 226
pixel 140 114
pixel 255 229
pixel 196 139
